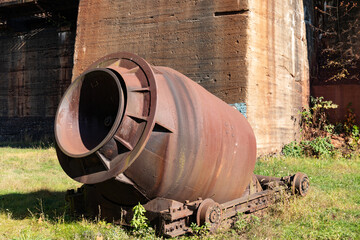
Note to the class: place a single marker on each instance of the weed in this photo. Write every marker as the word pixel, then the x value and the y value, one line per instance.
pixel 350 120
pixel 329 128
pixel 139 221
pixel 244 223
pixel 293 149
pixel 314 120
pixel 320 137
pixel 320 146
pixel 200 230
pixel 355 133
pixel 240 224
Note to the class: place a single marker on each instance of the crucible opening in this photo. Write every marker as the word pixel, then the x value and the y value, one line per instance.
pixel 89 113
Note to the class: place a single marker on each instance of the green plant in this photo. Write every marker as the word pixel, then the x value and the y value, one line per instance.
pixel 314 120
pixel 292 149
pixel 139 221
pixel 141 224
pixel 355 132
pixel 317 147
pixel 320 146
pixel 244 224
pixel 240 224
pixel 350 120
pixel 200 230
pixel 329 128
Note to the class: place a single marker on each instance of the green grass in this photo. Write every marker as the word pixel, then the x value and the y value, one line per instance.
pixel 331 210
pixel 33 185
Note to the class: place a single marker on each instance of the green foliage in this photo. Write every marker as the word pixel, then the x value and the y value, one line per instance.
pixel 329 128
pixel 200 230
pixel 350 120
pixel 243 224
pixel 318 103
pixel 240 224
pixel 315 116
pixel 355 132
pixel 293 149
pixel 313 148
pixel 317 147
pixel 314 120
pixel 139 221
pixel 316 132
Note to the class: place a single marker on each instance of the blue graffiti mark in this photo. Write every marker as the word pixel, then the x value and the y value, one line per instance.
pixel 241 107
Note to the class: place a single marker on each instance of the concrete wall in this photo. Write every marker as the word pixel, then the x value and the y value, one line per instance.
pixel 278 80
pixel 248 51
pixel 194 37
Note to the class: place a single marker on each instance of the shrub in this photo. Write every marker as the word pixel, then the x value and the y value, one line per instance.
pixel 293 149
pixel 320 146
pixel 314 120
pixel 317 147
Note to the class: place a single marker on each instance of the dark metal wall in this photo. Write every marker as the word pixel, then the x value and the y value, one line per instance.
pixel 36 59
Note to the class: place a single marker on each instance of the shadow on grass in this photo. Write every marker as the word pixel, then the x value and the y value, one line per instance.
pixel 23 205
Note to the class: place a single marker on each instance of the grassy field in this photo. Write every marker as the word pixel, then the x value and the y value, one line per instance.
pixel 33 185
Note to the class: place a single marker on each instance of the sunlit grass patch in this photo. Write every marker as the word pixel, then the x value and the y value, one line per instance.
pixel 39 227
pixel 29 170
pixel 331 209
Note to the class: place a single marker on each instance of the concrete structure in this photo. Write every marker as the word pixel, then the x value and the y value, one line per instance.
pixel 243 51
pixel 278 72
pixel 248 51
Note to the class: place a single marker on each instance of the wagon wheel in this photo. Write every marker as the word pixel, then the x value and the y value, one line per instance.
pixel 300 184
pixel 209 212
